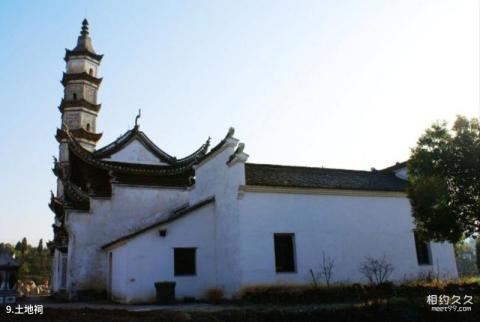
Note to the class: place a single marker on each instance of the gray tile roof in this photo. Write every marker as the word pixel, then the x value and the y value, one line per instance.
pixel 306 177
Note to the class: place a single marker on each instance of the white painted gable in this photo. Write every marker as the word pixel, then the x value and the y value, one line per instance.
pixel 135 152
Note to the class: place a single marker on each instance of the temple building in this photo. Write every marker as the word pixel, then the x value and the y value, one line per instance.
pixel 129 214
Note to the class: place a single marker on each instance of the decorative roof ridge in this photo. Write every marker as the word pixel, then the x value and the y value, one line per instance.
pixel 154 170
pixel 135 133
pixel 108 149
pixel 172 216
pixel 78 193
pixel 56 205
pixel 152 147
pixel 229 135
pixel 77 198
pixel 128 137
pixel 199 153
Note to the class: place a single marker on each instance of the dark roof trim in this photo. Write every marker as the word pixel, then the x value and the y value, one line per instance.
pixel 72 53
pixel 179 213
pixel 56 205
pixel 79 134
pixel 127 168
pixel 80 76
pixel 135 133
pixel 77 198
pixel 79 103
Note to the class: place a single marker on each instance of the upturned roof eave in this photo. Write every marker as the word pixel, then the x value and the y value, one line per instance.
pixel 135 133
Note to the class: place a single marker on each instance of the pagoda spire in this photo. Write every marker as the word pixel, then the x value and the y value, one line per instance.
pixel 84 31
pixel 84 42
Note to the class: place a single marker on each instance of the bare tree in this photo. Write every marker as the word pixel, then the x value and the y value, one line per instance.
pixel 326 270
pixel 376 270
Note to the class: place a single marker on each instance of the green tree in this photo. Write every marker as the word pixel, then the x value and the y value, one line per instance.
pixel 18 248
pixel 444 181
pixel 465 260
pixel 24 246
pixel 40 247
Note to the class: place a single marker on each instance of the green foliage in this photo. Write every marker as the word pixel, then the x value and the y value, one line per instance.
pixel 40 247
pixel 444 181
pixel 465 259
pixel 36 261
pixel 24 246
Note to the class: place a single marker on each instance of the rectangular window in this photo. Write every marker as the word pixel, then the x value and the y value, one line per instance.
pixel 284 253
pixel 184 261
pixel 424 256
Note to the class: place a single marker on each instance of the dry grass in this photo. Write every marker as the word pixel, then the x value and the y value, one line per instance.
pixel 214 295
pixel 344 293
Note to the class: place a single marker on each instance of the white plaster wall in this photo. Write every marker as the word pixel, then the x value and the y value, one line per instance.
pixel 215 178
pixel 119 283
pixel 148 258
pixel 347 228
pixel 135 152
pixel 130 208
pixel 55 280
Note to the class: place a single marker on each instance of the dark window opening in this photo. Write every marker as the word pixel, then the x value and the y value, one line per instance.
pixel 184 261
pixel 74 96
pixel 90 71
pixel 423 251
pixel 284 253
pixel 88 126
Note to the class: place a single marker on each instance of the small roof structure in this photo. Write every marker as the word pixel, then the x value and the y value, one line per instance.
pixel 7 261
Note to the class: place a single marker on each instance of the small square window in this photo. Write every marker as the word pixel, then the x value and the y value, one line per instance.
pixel 424 256
pixel 284 253
pixel 184 261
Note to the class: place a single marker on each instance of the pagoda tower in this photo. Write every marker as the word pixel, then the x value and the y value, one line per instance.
pixel 79 105
pixel 79 109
